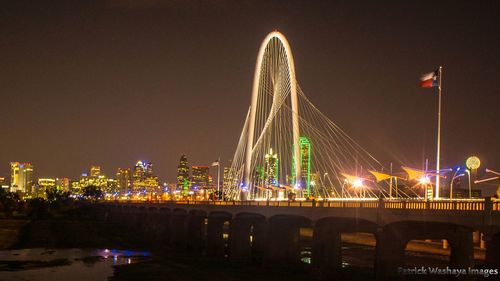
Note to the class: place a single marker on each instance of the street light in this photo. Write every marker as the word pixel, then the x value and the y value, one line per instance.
pixel 424 181
pixel 357 183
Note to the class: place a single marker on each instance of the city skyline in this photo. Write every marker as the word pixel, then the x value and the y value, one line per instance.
pixel 123 105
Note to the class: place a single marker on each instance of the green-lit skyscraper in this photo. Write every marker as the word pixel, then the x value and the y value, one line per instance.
pixel 271 169
pixel 183 174
pixel 305 162
pixel 305 165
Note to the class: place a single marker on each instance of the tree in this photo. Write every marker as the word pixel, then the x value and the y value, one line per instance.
pixel 8 201
pixel 92 192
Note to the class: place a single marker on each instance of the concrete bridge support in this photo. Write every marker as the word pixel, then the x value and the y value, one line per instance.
pixel 391 244
pixel 178 230
pixel 493 249
pixel 283 240
pixel 327 244
pixel 246 237
pixel 462 248
pixel 215 233
pixel 196 231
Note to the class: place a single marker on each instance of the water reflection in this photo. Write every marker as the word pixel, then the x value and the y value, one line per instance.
pixel 40 264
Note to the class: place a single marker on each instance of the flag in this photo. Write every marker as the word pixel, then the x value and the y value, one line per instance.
pixel 380 176
pixel 430 80
pixel 215 163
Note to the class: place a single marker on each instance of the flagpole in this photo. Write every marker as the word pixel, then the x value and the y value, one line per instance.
pixel 218 175
pixel 438 135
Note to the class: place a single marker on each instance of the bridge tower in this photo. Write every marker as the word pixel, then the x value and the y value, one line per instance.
pixel 281 74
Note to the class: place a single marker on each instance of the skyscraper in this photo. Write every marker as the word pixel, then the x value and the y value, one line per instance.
pixel 95 171
pixel 183 174
pixel 62 184
pixel 305 166
pixel 14 176
pixel 123 180
pixel 143 178
pixel 271 169
pixel 305 163
pixel 199 177
pixel 44 185
pixel 22 177
pixel 94 178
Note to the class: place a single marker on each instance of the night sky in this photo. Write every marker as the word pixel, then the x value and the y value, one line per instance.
pixel 113 82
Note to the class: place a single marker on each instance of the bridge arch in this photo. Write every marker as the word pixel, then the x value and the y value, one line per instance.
pixel 265 51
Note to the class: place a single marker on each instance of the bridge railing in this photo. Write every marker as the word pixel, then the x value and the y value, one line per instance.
pixel 406 204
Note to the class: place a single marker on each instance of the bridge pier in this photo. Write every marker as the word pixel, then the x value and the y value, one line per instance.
pixel 246 237
pixel 326 251
pixel 215 233
pixel 462 248
pixel 196 231
pixel 493 249
pixel 327 243
pixel 391 244
pixel 283 240
pixel 178 230
pixel 389 255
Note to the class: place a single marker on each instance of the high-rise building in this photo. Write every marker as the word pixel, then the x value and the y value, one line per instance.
pixel 95 171
pixel 305 163
pixel 45 184
pixel 227 178
pixel 199 177
pixel 271 169
pixel 305 166
pixel 143 178
pixel 123 180
pixel 4 184
pixel 14 176
pixel 21 177
pixel 112 186
pixel 183 174
pixel 94 178
pixel 62 184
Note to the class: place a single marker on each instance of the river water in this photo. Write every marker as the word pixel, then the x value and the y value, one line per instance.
pixel 41 264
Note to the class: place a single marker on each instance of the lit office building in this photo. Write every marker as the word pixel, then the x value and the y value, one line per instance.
pixel 62 184
pixel 112 186
pixel 183 174
pixel 199 177
pixel 4 184
pixel 21 177
pixel 123 181
pixel 143 178
pixel 305 163
pixel 45 184
pixel 227 178
pixel 95 171
pixel 93 178
pixel 271 169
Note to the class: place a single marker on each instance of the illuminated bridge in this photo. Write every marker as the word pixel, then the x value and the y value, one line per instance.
pixel 269 231
pixel 289 151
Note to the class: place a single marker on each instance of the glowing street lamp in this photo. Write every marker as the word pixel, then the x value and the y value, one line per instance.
pixel 357 183
pixel 425 180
